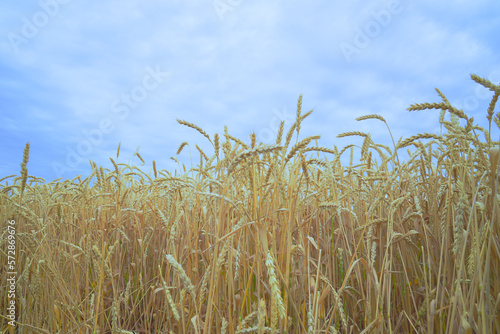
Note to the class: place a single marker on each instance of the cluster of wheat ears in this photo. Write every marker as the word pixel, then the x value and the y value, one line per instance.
pixel 275 238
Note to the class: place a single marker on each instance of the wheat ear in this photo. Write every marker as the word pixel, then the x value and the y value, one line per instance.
pixel 179 150
pixel 352 133
pixel 262 317
pixel 247 154
pixel 441 105
pixel 24 169
pixel 118 150
pixel 277 306
pixel 280 133
pixel 170 300
pixel 486 83
pixel 300 145
pixel 154 169
pixel 197 128
pixel 411 139
pixel 299 109
pixel 182 274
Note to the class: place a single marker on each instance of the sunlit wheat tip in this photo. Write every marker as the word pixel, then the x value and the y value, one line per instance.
pixel 445 100
pixel 352 133
pixel 115 165
pixel 486 83
pixel 280 133
pixel 289 135
pixel 371 116
pixel 253 139
pixel 441 105
pixel 236 140
pixel 154 169
pixel 306 114
pixel 216 144
pixel 24 169
pixel 491 107
pixel 118 150
pixel 411 139
pixel 300 145
pixel 183 144
pixel 193 126
pixel 140 158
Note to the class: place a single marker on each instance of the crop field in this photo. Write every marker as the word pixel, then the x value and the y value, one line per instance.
pixel 256 238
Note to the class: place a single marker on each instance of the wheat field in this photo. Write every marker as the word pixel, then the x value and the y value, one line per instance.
pixel 277 238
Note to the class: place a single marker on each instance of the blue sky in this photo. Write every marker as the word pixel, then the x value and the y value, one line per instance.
pixel 80 77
